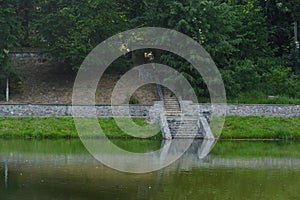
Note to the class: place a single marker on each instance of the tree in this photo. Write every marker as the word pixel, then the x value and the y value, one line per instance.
pixel 10 33
pixel 69 30
pixel 229 31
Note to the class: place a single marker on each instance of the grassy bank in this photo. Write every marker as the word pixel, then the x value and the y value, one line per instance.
pixel 56 127
pixel 63 127
pixel 261 128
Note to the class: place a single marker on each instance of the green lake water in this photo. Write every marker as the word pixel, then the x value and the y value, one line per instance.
pixel 63 169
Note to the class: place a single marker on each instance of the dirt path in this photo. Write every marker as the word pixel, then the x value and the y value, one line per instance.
pixel 47 83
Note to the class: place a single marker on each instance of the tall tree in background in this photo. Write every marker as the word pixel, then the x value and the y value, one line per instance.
pixel 69 30
pixel 281 16
pixel 251 41
pixel 230 32
pixel 10 34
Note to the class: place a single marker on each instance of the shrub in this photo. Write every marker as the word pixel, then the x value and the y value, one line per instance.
pixel 281 81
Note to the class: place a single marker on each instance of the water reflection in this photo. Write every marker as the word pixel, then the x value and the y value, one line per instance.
pixel 234 170
pixel 196 156
pixel 169 152
pixel 5 174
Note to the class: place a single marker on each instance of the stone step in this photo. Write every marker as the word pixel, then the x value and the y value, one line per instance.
pixel 184 134
pixel 181 130
pixel 187 126
pixel 183 127
pixel 170 97
pixel 183 120
pixel 188 137
pixel 172 105
pixel 182 117
pixel 173 112
pixel 184 130
pixel 180 126
pixel 173 126
pixel 175 109
pixel 171 102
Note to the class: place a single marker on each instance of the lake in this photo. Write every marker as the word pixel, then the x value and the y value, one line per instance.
pixel 63 169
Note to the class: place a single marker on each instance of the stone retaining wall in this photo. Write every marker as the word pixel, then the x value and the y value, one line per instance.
pixel 66 110
pixel 264 110
pixel 143 110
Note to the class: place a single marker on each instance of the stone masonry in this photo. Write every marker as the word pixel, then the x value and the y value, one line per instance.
pixel 143 110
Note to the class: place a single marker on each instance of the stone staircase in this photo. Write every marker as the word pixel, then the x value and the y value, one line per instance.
pixel 180 125
pixel 184 127
pixel 171 104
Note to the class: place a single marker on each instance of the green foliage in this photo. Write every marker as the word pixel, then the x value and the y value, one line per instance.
pixel 9 34
pixel 258 97
pixel 268 76
pixel 244 76
pixel 70 30
pixel 251 41
pixel 280 80
pixel 234 34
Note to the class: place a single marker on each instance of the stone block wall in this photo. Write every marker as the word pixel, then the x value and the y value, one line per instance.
pixel 263 110
pixel 143 110
pixel 66 110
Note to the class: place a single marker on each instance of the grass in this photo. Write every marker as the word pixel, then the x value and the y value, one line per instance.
pixel 63 127
pixel 261 128
pixel 57 127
